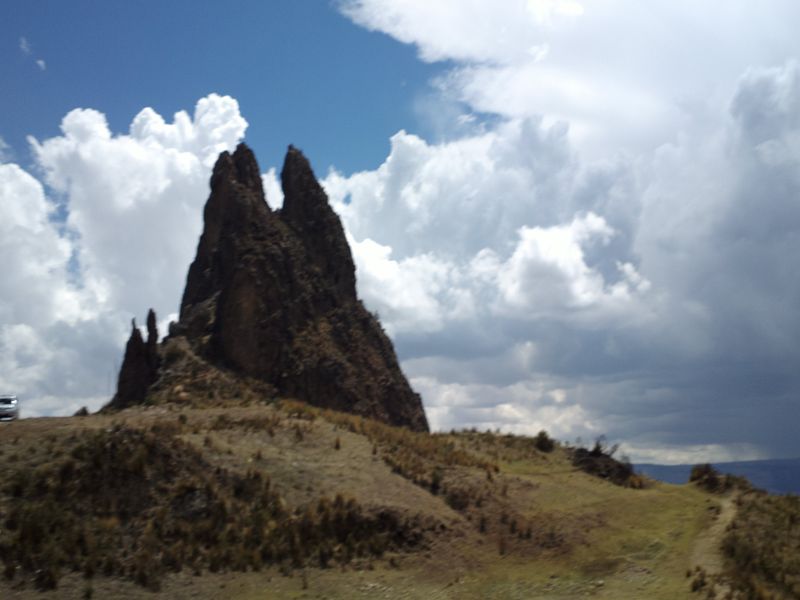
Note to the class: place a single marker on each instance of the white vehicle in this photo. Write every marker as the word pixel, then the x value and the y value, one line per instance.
pixel 9 407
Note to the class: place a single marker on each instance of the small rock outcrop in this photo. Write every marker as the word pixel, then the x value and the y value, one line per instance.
pixel 139 366
pixel 271 296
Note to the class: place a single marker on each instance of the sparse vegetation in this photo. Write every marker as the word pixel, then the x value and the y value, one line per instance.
pixel 454 467
pixel 708 478
pixel 419 457
pixel 140 496
pixel 139 505
pixel 763 545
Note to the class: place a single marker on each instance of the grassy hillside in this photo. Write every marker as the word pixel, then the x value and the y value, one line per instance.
pixel 283 500
pixel 763 545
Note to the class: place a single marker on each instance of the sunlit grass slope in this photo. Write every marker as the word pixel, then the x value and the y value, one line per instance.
pixel 279 499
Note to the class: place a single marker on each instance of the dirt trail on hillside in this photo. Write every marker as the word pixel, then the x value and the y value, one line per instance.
pixel 707 552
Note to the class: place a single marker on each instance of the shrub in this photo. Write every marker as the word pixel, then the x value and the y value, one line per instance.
pixel 699 581
pixel 706 477
pixel 457 499
pixel 543 442
pixel 46 578
pixel 600 462
pixel 436 480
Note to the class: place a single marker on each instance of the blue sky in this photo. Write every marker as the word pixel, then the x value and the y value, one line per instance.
pixel 302 72
pixel 571 215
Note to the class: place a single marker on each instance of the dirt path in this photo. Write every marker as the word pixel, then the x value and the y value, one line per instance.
pixel 707 553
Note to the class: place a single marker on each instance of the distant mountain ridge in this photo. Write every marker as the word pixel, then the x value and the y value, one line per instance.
pixel 777 476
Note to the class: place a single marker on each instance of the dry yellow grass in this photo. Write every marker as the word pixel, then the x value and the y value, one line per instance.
pixel 506 521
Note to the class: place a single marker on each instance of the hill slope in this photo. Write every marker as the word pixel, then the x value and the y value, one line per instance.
pixel 280 499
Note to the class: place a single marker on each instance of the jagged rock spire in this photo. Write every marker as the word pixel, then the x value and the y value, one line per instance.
pixel 152 333
pixel 140 365
pixel 304 201
pixel 307 212
pixel 236 203
pixel 272 296
pixel 239 168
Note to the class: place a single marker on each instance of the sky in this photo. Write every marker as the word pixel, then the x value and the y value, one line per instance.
pixel 578 216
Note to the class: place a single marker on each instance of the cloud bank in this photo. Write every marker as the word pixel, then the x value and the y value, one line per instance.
pixel 110 235
pixel 607 246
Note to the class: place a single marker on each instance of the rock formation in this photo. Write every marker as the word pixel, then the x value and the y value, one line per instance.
pixel 139 366
pixel 271 296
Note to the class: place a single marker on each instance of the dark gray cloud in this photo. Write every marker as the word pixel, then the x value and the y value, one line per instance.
pixel 638 285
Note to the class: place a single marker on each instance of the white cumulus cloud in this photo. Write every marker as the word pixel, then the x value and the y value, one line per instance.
pixel 135 201
pixel 110 234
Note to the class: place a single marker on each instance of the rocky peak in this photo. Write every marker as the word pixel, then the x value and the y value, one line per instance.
pixel 139 366
pixel 236 204
pixel 152 332
pixel 272 296
pixel 239 168
pixel 305 203
pixel 317 226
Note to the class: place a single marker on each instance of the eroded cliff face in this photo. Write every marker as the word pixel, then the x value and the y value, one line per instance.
pixel 271 295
